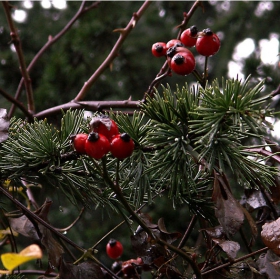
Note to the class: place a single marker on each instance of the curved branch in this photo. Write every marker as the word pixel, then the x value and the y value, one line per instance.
pixel 51 40
pixel 114 52
pixel 17 43
pixel 16 103
pixel 88 105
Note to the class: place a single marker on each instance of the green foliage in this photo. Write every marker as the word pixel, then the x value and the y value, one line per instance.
pixel 195 131
pixel 38 153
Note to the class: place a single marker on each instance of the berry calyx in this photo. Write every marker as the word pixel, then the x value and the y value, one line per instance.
pixel 189 36
pixel 79 141
pixel 159 49
pixel 114 249
pixel 207 43
pixel 183 63
pixel 122 146
pixel 97 145
pixel 105 126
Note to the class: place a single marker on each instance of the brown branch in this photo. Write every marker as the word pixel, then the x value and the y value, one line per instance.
pixel 16 103
pixel 17 43
pixel 275 92
pixel 88 105
pixel 51 40
pixel 114 52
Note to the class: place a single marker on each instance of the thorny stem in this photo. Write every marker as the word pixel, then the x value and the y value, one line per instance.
pixel 17 43
pixel 51 40
pixel 114 52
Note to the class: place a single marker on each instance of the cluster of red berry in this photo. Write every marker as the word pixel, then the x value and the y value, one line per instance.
pixel 103 137
pixel 180 59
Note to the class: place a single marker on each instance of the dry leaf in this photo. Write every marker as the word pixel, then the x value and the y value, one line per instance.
pixel 84 270
pixel 229 247
pixel 12 260
pixel 24 226
pixel 228 210
pixel 53 248
pixel 4 125
pixel 268 265
pixel 271 235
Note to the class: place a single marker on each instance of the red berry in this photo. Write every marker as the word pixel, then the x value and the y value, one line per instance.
pixel 97 145
pixel 183 63
pixel 105 126
pixel 132 268
pixel 159 49
pixel 189 36
pixel 122 146
pixel 208 43
pixel 114 249
pixel 79 141
pixel 174 42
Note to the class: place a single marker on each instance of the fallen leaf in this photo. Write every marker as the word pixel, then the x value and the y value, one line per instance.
pixel 254 200
pixel 84 270
pixel 268 265
pixel 4 125
pixel 24 226
pixel 215 232
pixel 271 235
pixel 231 248
pixel 12 260
pixel 227 209
pixel 53 248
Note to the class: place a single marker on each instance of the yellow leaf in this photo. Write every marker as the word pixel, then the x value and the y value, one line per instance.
pixel 4 232
pixel 12 260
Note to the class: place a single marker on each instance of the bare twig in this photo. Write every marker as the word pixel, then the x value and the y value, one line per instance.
pixel 17 43
pixel 16 103
pixel 114 52
pixel 51 40
pixel 88 105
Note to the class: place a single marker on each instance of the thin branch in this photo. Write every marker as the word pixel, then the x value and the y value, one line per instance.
pixel 114 52
pixel 17 43
pixel 32 215
pixel 16 103
pixel 275 92
pixel 88 105
pixel 235 261
pixel 51 40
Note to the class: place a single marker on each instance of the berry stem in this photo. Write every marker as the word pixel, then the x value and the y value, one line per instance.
pixel 205 74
